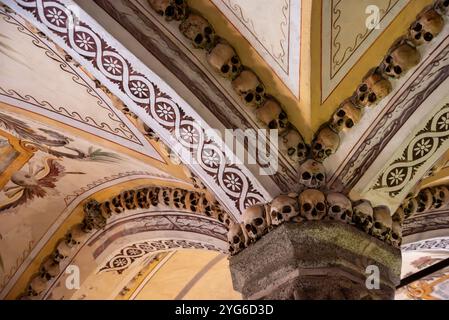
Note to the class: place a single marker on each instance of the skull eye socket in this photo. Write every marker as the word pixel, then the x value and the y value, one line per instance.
pixel 320 177
pixel 349 123
pixel 372 97
pixel 318 146
pixel 286 209
pixel 341 113
pixel 274 214
pixel 258 221
pixel 377 225
pixel 282 115
pixel 398 70
pixel 441 192
pixel 306 176
pixel 249 97
pixel 336 209
pixel 273 124
pixel 428 36
pixel 259 89
pixel 307 207
pixel 395 236
pixel 199 38
pixel 389 59
pixel 417 27
pixel 234 60
pixel 208 30
pixel 225 68
pixel 291 151
pixel 328 152
pixel 170 11
pixel 320 206
pixel 301 146
pixel 236 239
pixel 446 3
pixel 248 227
pixel 363 87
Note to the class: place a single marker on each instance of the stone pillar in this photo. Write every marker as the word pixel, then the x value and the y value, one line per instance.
pixel 315 260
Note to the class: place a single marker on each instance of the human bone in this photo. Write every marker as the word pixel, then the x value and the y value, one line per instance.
pixel 339 207
pixel 325 144
pixel 442 7
pixel 312 204
pixel 224 60
pixel 116 204
pixel 249 88
pixel 198 30
pixel 312 174
pixel 426 27
pixel 142 199
pixel 282 209
pixel 236 239
pixel 374 87
pixel 363 215
pixel 49 269
pixel 294 146
pixel 255 221
pixel 37 285
pixel 272 115
pixel 425 200
pixel 401 57
pixel 382 223
pixel 129 199
pixel 440 195
pixel 170 9
pixel 346 116
pixel 396 234
pixel 410 207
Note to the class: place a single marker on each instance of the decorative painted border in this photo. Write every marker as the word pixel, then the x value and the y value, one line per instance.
pixel 428 141
pixel 128 255
pixel 194 78
pixel 176 125
pixel 438 244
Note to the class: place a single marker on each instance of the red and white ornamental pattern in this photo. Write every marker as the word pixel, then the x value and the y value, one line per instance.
pixel 159 106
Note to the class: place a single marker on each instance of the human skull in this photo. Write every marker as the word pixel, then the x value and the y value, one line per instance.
pixel 37 286
pixel 339 207
pixel 312 204
pixel 382 223
pixel 425 200
pixel 399 215
pixel 49 269
pixel 346 116
pixel 271 114
pixel 440 196
pixel 396 234
pixel 62 251
pixel 165 197
pixel 374 87
pixel 427 26
pixel 294 145
pixel 410 207
pixel 283 208
pixel 129 199
pixel 193 200
pixel 153 196
pixel 116 204
pixel 312 174
pixel 223 216
pixel 363 216
pixel 249 88
pixel 142 199
pixel 236 239
pixel 224 60
pixel 170 9
pixel 179 198
pixel 401 57
pixel 106 209
pixel 75 236
pixel 255 221
pixel 199 31
pixel 442 7
pixel 325 144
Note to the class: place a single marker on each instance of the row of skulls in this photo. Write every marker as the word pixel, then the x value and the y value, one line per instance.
pixel 427 199
pixel 311 205
pixel 96 215
pixel 224 60
pixel 402 56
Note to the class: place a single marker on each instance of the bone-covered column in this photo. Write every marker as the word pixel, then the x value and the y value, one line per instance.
pixel 317 260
